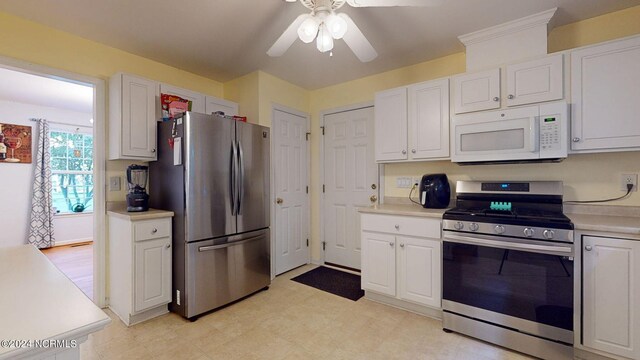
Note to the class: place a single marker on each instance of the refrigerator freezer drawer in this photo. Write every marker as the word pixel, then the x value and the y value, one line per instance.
pixel 226 269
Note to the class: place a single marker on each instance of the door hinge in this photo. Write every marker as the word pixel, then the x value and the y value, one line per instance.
pixel 306 136
pixel 322 127
pixel 324 246
pixel 307 189
pixel 323 188
pixel 307 242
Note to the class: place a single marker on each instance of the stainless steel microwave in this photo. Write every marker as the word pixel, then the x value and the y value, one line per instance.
pixel 529 133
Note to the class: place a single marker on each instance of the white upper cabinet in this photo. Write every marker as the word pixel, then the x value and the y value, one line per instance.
pixel 527 82
pixel 197 99
pixel 214 104
pixel 391 124
pixel 412 123
pixel 476 91
pixel 535 81
pixel 429 119
pixel 133 112
pixel 605 94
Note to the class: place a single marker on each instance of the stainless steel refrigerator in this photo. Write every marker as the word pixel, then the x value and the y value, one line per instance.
pixel 213 173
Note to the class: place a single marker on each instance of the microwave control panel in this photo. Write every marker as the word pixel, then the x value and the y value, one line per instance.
pixel 550 133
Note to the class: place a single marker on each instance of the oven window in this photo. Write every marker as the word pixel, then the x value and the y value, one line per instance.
pixel 526 285
pixel 512 139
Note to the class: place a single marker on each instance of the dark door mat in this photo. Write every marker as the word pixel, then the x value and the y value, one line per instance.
pixel 333 281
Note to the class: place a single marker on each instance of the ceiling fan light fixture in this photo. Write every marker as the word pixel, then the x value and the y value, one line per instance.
pixel 324 42
pixel 308 30
pixel 336 25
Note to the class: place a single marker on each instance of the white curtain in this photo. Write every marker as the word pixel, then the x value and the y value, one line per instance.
pixel 41 221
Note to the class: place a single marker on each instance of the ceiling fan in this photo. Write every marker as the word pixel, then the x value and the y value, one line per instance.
pixel 325 25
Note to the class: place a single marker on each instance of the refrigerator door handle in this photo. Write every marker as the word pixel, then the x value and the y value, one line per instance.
pixel 240 178
pixel 232 243
pixel 234 177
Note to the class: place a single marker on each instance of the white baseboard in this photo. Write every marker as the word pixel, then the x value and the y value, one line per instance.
pixel 71 242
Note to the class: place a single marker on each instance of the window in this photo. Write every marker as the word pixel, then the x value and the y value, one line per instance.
pixel 71 171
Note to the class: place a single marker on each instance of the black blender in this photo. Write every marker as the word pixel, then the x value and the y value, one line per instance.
pixel 137 198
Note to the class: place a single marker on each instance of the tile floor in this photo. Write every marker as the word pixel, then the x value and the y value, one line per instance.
pixel 290 321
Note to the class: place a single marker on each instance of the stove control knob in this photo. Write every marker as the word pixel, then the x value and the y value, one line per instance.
pixel 528 232
pixel 499 229
pixel 474 227
pixel 458 225
pixel 548 234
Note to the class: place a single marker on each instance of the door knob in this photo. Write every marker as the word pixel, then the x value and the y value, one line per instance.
pixel 588 248
pixel 510 96
pixel 374 186
pixel 373 198
pixel 279 201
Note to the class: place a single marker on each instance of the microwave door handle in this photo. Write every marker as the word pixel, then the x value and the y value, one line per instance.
pixel 534 133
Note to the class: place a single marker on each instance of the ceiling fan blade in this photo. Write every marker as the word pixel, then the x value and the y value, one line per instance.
pixel 386 3
pixel 355 39
pixel 287 38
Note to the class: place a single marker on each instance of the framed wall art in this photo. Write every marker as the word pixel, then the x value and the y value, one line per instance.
pixel 15 143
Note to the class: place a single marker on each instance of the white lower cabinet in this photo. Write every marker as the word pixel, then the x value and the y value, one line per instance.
pixel 139 266
pixel 610 295
pixel 401 258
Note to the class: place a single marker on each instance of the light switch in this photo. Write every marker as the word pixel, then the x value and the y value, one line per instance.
pixel 114 183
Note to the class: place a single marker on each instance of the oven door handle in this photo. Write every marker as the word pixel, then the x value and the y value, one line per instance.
pixel 500 244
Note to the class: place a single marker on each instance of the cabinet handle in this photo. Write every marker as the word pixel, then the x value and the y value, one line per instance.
pixel 510 97
pixel 397 227
pixel 576 139
pixel 404 152
pixel 588 248
pixel 401 245
pixel 413 151
pixel 154 231
pixel 391 244
pixel 153 150
pixel 496 99
pixel 167 246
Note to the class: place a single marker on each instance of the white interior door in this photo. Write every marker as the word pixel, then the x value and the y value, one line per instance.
pixel 291 191
pixel 350 180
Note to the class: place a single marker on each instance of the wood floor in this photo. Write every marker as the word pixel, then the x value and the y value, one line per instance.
pixel 75 261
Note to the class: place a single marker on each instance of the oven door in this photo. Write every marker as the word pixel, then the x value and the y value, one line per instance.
pixel 508 135
pixel 519 284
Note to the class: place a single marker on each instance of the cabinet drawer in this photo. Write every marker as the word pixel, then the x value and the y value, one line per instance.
pixel 151 229
pixel 405 225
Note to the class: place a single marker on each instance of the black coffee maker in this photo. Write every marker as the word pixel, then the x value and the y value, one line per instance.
pixel 435 191
pixel 137 198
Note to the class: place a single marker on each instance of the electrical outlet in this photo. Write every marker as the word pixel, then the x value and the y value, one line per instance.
pixel 114 183
pixel 628 179
pixel 416 180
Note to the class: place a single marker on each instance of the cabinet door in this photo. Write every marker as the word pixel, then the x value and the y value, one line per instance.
pixel 139 117
pixel 391 124
pixel 611 292
pixel 419 270
pixel 429 119
pixel 477 91
pixel 197 99
pixel 214 104
pixel 152 277
pixel 379 263
pixel 535 81
pixel 605 93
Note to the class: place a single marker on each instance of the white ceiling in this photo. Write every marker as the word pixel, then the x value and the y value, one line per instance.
pixel 224 39
pixel 38 90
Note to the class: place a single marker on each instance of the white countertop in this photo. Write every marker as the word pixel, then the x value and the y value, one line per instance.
pixel 606 223
pixel 38 302
pixel 142 215
pixel 402 210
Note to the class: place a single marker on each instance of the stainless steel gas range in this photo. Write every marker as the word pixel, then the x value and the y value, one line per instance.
pixel 508 266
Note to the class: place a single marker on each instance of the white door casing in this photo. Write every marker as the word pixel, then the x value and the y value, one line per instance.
pixel 350 180
pixel 291 190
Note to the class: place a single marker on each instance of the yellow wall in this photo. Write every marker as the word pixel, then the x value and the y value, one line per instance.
pixel 244 91
pixel 585 176
pixel 35 43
